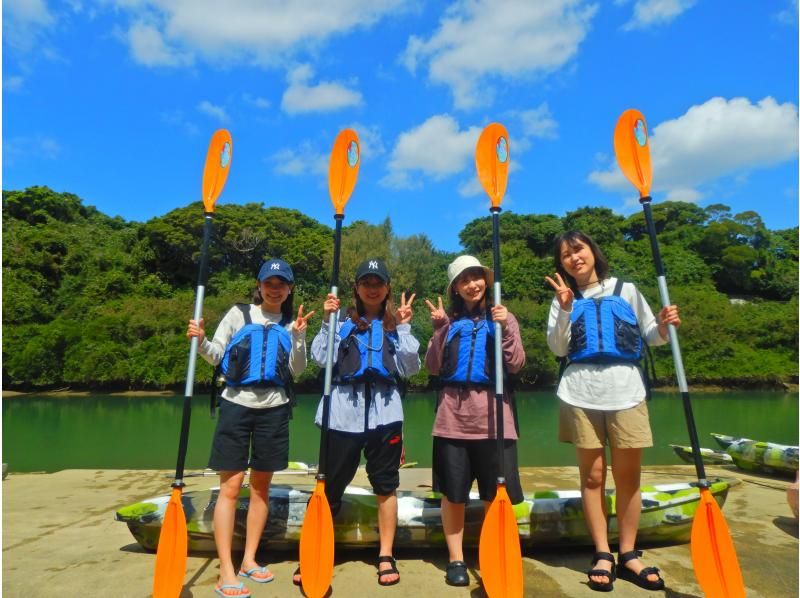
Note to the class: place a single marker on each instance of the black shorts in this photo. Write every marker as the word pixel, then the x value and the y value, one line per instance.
pixel 247 437
pixel 382 447
pixel 456 463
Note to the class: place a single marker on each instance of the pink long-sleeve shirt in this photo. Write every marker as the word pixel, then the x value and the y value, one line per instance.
pixel 469 413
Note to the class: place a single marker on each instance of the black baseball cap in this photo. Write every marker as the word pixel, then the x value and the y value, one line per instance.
pixel 276 267
pixel 373 267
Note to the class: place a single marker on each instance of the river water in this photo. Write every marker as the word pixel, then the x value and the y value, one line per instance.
pixel 102 432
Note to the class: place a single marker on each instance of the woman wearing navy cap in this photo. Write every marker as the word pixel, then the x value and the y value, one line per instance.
pixel 260 350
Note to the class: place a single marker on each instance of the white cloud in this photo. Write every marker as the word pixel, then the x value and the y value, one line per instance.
pixel 306 159
pixel 648 13
pixel 177 119
pixel 213 111
pixel 257 101
pixel 719 138
pixel 325 96
pixel 478 39
pixel 266 32
pixel 25 23
pixel 30 147
pixel 437 148
pixel 788 16
pixel 13 83
pixel 470 187
pixel 149 48
pixel 370 140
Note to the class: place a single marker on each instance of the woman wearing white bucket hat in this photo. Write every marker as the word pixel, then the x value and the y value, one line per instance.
pixel 461 354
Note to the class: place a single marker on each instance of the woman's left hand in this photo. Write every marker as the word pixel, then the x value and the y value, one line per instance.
pixel 668 315
pixel 301 321
pixel 500 314
pixel 404 312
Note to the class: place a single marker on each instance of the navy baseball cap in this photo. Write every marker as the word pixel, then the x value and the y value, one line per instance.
pixel 276 267
pixel 372 267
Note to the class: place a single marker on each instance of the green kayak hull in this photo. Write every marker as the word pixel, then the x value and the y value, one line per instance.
pixel 754 455
pixel 709 456
pixel 549 518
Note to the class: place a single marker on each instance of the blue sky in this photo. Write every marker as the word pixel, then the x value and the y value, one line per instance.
pixel 116 100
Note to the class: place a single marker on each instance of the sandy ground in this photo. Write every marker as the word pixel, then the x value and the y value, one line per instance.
pixel 60 539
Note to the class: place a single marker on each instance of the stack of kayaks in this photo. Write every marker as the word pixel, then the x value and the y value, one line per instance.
pixel 544 518
pixel 746 454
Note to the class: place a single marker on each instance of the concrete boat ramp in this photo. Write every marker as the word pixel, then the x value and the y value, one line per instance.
pixel 60 539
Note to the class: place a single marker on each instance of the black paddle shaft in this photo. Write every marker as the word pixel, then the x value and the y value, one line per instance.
pixel 676 350
pixel 326 397
pixel 498 353
pixel 202 279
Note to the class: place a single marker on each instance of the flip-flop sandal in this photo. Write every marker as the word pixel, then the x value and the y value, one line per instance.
pixel 220 590
pixel 258 574
pixel 384 572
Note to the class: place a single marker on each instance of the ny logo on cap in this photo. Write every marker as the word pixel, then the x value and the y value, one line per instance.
pixel 373 264
pixel 274 266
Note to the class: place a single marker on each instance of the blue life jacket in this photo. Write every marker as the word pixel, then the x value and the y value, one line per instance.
pixel 468 356
pixel 366 355
pixel 604 330
pixel 258 354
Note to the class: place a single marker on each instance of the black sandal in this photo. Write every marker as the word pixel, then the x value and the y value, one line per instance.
pixel 639 579
pixel 296 579
pixel 599 586
pixel 384 572
pixel 457 574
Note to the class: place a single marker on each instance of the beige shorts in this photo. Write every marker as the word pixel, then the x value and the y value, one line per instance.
pixel 593 428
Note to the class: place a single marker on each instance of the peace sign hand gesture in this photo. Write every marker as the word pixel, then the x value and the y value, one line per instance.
pixel 438 314
pixel 564 294
pixel 301 321
pixel 404 312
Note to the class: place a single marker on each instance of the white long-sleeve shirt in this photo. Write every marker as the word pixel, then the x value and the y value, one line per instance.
pixel 604 386
pixel 348 405
pixel 214 350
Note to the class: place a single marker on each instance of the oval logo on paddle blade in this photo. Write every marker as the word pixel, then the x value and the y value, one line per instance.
pixel 352 154
pixel 502 150
pixel 640 132
pixel 225 156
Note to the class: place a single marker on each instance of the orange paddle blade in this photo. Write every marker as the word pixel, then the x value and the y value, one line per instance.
pixel 316 545
pixel 713 555
pixel 215 172
pixel 343 169
pixel 491 161
pixel 172 550
pixel 499 551
pixel 632 147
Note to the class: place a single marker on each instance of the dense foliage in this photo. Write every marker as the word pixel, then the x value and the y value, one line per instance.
pixel 91 301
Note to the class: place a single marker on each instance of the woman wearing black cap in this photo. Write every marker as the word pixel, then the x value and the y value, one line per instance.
pixel 260 350
pixel 373 349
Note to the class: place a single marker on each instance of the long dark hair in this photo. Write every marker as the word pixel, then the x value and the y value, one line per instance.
pixel 358 311
pixel 287 307
pixel 458 307
pixel 572 238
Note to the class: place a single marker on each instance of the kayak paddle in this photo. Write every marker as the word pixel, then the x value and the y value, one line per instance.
pixel 499 550
pixel 316 537
pixel 715 563
pixel 173 541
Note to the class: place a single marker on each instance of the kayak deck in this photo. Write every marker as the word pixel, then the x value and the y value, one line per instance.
pixel 549 517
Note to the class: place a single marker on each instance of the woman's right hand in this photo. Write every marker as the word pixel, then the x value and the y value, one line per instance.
pixel 196 330
pixel 438 314
pixel 564 294
pixel 330 306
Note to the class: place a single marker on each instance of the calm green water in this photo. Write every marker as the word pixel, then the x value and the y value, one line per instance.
pixel 48 434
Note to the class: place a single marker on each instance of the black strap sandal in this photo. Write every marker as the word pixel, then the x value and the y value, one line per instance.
pixel 639 579
pixel 384 572
pixel 599 586
pixel 296 579
pixel 456 574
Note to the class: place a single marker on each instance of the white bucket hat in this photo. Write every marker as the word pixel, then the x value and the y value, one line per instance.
pixel 466 262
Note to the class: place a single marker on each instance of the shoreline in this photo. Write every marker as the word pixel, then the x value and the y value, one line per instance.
pixel 69 393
